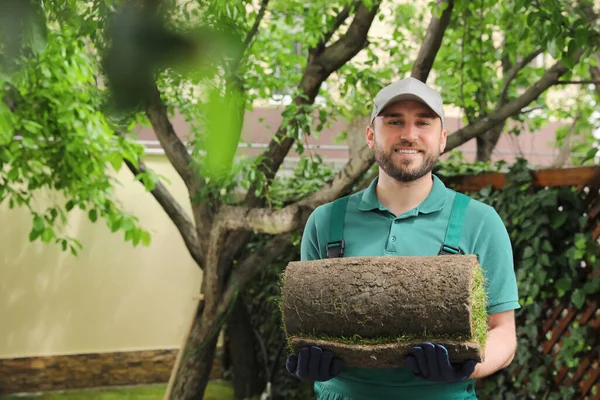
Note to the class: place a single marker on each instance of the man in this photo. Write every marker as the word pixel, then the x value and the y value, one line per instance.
pixel 405 212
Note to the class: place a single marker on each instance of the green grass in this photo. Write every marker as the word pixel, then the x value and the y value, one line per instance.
pixel 359 340
pixel 479 311
pixel 216 390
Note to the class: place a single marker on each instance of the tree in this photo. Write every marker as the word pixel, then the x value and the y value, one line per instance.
pixel 64 134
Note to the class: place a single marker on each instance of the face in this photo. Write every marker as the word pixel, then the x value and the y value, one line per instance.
pixel 407 138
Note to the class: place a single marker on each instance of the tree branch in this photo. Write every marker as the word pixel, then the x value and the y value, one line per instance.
pixel 528 110
pixel 262 220
pixel 582 82
pixel 174 148
pixel 514 71
pixel 353 41
pixel 343 181
pixel 502 113
pixel 294 216
pixel 317 70
pixel 252 32
pixel 252 265
pixel 176 213
pixel 595 74
pixel 250 35
pixel 339 20
pixel 11 96
pixel 432 42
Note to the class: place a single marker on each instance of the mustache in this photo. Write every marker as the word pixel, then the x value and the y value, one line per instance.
pixel 405 144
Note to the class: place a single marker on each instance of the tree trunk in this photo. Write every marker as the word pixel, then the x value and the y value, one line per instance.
pixel 487 142
pixel 247 381
pixel 194 364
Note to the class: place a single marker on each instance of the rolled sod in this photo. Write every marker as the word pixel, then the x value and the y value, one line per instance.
pixel 371 310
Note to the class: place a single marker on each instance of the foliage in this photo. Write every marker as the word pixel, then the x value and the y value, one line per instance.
pixel 212 95
pixel 554 254
pixel 455 164
pixel 493 37
pixel 60 145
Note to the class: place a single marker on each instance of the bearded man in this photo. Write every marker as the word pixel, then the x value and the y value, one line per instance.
pixel 406 211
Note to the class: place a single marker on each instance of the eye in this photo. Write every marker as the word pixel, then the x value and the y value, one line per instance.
pixel 395 122
pixel 423 123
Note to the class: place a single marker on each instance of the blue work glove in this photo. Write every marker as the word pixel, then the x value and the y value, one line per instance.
pixel 314 364
pixel 430 361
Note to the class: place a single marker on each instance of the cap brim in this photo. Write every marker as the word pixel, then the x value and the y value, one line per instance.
pixel 403 97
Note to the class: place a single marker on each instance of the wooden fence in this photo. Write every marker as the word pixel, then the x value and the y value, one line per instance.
pixel 559 319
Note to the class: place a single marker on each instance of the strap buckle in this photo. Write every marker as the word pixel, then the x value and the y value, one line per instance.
pixel 449 250
pixel 335 249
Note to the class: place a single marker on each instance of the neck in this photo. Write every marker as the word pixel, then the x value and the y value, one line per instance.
pixel 400 197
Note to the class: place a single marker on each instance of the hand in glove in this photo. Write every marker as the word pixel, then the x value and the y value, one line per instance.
pixel 314 364
pixel 431 362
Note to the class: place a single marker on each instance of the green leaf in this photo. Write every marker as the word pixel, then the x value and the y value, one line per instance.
pixel 546 246
pixel 116 160
pixel 34 234
pixel 581 37
pixel 559 219
pixel 135 236
pixel 93 215
pixel 7 125
pixel 578 298
pixel 564 283
pixel 528 252
pixel 591 154
pixel 553 48
pixel 580 241
pixel 532 18
pixel 591 287
pixel 38 223
pixel 146 238
pixel 47 235
pixel 13 174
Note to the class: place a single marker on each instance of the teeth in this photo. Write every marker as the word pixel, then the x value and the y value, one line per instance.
pixel 407 151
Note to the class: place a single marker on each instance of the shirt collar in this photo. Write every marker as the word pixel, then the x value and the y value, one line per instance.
pixel 435 200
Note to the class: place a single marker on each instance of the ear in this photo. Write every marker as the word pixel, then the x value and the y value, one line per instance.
pixel 443 140
pixel 370 136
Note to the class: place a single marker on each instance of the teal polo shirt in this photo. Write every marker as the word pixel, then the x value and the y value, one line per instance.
pixel 372 230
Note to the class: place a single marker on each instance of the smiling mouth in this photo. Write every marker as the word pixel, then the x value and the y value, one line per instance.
pixel 406 151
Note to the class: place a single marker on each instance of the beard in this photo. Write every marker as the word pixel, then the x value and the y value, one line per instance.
pixel 404 170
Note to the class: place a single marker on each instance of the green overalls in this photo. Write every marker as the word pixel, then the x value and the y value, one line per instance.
pixel 445 223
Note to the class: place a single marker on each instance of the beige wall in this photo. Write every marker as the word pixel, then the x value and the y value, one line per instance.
pixel 112 297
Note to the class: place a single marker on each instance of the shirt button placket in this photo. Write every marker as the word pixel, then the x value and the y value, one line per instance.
pixel 394 236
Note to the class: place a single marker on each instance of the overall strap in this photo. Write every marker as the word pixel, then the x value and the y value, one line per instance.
pixel 455 225
pixel 335 245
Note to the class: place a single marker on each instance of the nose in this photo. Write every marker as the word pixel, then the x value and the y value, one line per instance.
pixel 409 132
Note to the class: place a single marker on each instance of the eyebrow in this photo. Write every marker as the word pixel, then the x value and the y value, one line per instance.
pixel 424 114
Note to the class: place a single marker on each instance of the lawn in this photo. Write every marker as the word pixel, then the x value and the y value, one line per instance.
pixel 214 391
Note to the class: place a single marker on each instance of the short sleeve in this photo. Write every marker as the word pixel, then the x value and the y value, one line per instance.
pixel 494 250
pixel 309 246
